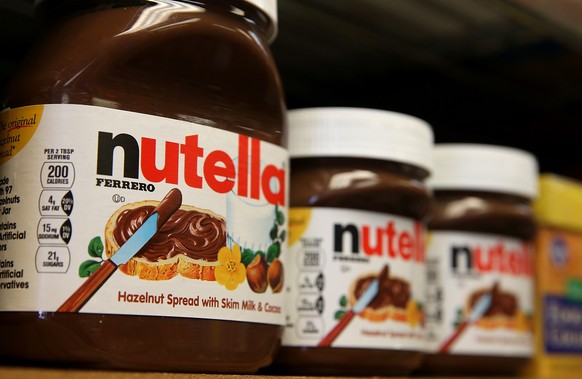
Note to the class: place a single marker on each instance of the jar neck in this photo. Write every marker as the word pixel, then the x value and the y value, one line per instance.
pixel 352 163
pixel 483 212
pixel 494 196
pixel 360 184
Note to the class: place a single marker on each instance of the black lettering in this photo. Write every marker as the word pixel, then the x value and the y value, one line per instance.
pixel 457 253
pixel 338 237
pixel 105 153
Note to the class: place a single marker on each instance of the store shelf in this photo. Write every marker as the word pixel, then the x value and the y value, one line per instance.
pixel 37 373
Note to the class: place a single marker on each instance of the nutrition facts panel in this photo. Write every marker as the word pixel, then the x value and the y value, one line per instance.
pixel 310 300
pixel 434 296
pixel 56 203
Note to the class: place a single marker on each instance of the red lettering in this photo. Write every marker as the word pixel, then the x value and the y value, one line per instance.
pixel 255 168
pixel 243 165
pixel 219 165
pixel 498 258
pixel 366 241
pixel 169 172
pixel 515 262
pixel 390 232
pixel 273 185
pixel 404 245
pixel 500 254
pixel 192 152
pixel 482 260
pixel 388 241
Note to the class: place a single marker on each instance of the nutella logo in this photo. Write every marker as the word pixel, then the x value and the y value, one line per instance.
pixel 496 258
pixel 200 168
pixel 380 241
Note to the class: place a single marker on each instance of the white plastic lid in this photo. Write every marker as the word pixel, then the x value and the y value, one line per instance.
pixel 360 133
pixel 484 168
pixel 270 9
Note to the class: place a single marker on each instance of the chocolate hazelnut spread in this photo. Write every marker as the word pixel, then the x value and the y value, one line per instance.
pixel 207 63
pixel 502 303
pixel 349 173
pixel 194 234
pixel 394 292
pixel 480 233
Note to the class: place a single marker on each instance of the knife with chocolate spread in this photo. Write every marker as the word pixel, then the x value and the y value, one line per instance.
pixel 366 293
pixel 138 240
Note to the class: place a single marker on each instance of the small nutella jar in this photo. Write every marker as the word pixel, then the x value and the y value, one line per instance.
pixel 144 189
pixel 356 253
pixel 479 260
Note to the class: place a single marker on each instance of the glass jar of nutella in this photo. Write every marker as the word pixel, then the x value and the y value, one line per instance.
pixel 144 189
pixel 479 260
pixel 356 254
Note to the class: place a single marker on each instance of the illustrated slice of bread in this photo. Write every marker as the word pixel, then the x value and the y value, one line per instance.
pixel 187 244
pixel 196 268
pixel 144 269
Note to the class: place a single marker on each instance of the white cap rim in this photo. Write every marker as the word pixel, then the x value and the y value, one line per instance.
pixel 360 133
pixel 488 168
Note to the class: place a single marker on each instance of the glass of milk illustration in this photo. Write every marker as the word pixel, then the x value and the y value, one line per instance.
pixel 250 233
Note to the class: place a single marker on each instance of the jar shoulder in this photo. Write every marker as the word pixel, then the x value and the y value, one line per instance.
pixel 359 187
pixel 483 214
pixel 196 66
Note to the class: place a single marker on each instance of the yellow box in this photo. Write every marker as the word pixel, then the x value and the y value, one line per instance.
pixel 558 318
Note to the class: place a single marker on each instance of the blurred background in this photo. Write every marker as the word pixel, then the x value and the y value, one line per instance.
pixel 505 72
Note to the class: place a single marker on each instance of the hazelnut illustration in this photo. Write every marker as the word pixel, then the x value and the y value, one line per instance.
pixel 276 275
pixel 257 274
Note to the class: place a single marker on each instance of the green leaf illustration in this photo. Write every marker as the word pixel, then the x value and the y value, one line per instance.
pixel 247 256
pixel 88 267
pixel 343 302
pixel 96 247
pixel 274 231
pixel 282 235
pixel 280 217
pixel 339 314
pixel 273 252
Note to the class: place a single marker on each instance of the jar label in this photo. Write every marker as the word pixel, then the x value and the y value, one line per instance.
pixel 479 294
pixel 358 280
pixel 85 227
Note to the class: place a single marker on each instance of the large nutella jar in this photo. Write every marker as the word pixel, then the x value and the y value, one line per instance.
pixel 144 189
pixel 479 260
pixel 356 254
